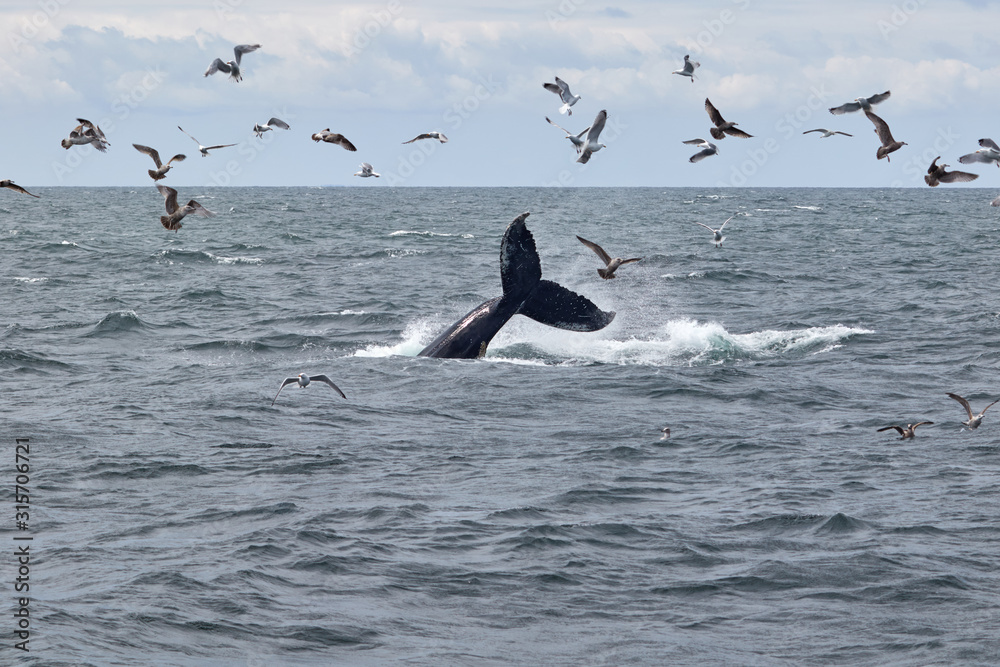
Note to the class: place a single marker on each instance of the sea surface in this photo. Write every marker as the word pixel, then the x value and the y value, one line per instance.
pixel 523 508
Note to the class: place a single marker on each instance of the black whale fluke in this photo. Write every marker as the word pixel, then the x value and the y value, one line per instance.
pixel 524 293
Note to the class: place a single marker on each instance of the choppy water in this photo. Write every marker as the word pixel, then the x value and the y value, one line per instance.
pixel 519 509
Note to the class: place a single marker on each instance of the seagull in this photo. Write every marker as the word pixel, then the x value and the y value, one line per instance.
pixel 592 146
pixel 367 171
pixel 722 126
pixel 429 135
pixel 689 67
pixel 936 174
pixel 11 185
pixel 161 169
pixel 889 144
pixel 204 149
pixel 561 88
pixel 906 432
pixel 666 432
pixel 974 420
pixel 709 149
pixel 172 221
pixel 995 202
pixel 259 130
pixel 304 381
pixel 860 103
pixel 232 68
pixel 612 263
pixel 86 133
pixel 828 133
pixel 717 237
pixel 576 139
pixel 334 138
pixel 989 152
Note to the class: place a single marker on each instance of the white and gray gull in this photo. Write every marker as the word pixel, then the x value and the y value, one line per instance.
pixel 689 67
pixel 232 68
pixel 561 88
pixel 717 237
pixel 989 152
pixel 611 263
pixel 161 169
pixel 259 129
pixel 708 149
pixel 204 149
pixel 974 420
pixel 575 139
pixel 367 171
pixel 592 144
pixel 303 381
pixel 860 103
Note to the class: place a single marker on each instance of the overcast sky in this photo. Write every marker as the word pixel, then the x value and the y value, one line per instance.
pixel 382 72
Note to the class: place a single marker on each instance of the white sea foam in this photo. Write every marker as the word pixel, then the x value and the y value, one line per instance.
pixel 25 279
pixel 403 232
pixel 416 335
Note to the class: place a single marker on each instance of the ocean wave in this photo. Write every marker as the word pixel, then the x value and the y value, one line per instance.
pixel 117 322
pixel 171 256
pixel 403 232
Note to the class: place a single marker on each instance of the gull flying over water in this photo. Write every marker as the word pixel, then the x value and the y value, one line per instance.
pixel 717 237
pixel 828 133
pixel 11 185
pixel 172 221
pixel 974 420
pixel 86 133
pixel 161 169
pixel 204 149
pixel 937 174
pixel 561 88
pixel 592 145
pixel 689 67
pixel 860 103
pixel 333 138
pixel 723 126
pixel 367 171
pixel 259 130
pixel 905 431
pixel 611 263
pixel 889 144
pixel 303 381
pixel 709 149
pixel 576 139
pixel 232 68
pixel 429 135
pixel 989 152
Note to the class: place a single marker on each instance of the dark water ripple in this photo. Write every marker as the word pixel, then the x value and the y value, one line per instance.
pixel 522 508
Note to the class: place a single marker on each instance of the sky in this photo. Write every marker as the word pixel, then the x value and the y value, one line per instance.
pixel 382 72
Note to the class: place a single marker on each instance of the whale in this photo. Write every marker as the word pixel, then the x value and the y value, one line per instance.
pixel 524 293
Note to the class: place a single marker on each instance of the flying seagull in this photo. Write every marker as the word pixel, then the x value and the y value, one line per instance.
pixel 232 68
pixel 905 432
pixel 592 145
pixel 722 126
pixel 989 152
pixel 576 139
pixel 860 103
pixel 889 144
pixel 86 133
pixel 937 174
pixel 974 420
pixel 367 171
pixel 561 88
pixel 828 133
pixel 612 263
pixel 11 185
pixel 717 237
pixel 689 67
pixel 429 135
pixel 259 130
pixel 172 221
pixel 709 149
pixel 303 380
pixel 161 169
pixel 204 149
pixel 333 138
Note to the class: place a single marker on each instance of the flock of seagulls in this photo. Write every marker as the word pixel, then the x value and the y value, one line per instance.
pixel 972 423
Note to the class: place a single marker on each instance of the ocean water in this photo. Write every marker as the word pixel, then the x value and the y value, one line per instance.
pixel 521 508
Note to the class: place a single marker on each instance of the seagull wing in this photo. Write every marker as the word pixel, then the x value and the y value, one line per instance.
pixel 843 133
pixel 192 138
pixel 549 121
pixel 340 140
pixel 240 49
pixel 418 138
pixel 564 92
pixel 277 122
pixel 17 188
pixel 695 142
pixel 713 113
pixel 597 249
pixel 957 177
pixel 169 196
pixel 93 128
pixel 985 143
pixel 735 132
pixel 323 378
pixel 212 148
pixel 988 407
pixel 698 157
pixel 818 130
pixel 899 429
pixel 177 158
pixel 629 261
pixel 218 66
pixel 553 88
pixel 914 427
pixel 965 403
pixel 881 97
pixel 845 108
pixel 707 227
pixel 975 157
pixel 286 382
pixel 724 224
pixel 597 127
pixel 151 152
pixel 194 207
pixel 881 128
